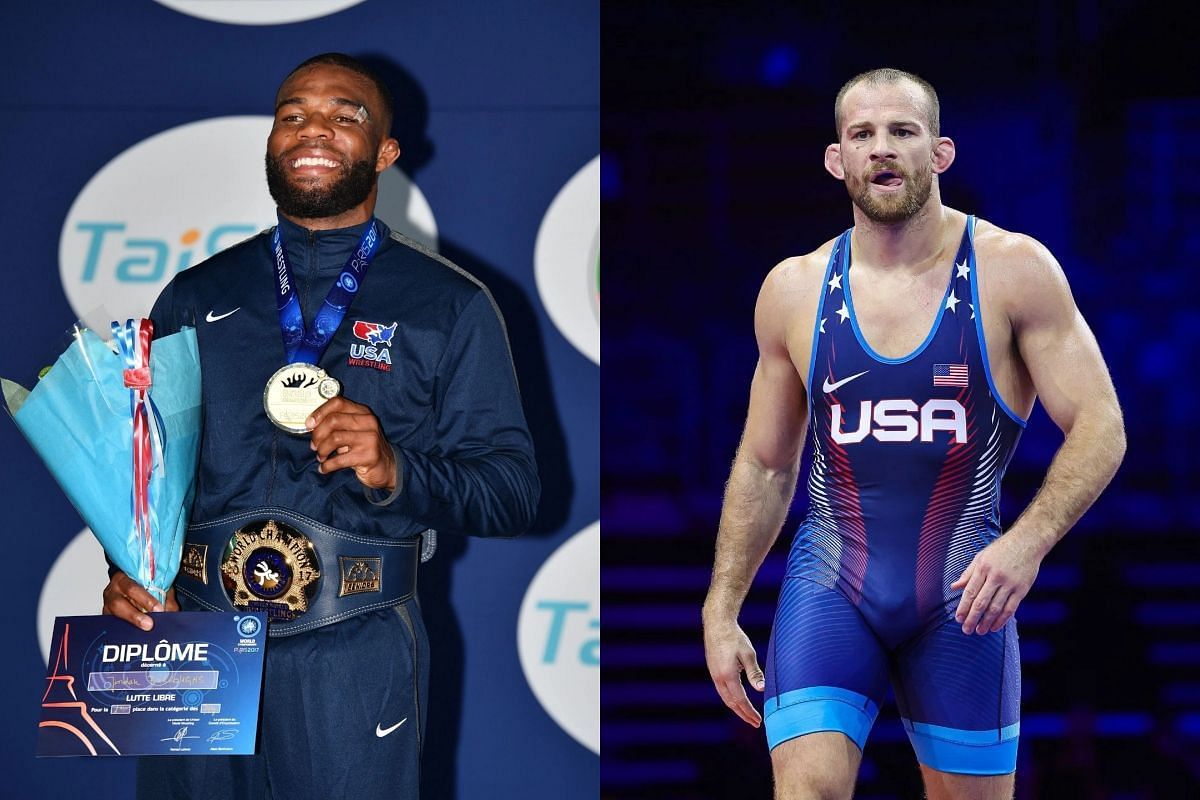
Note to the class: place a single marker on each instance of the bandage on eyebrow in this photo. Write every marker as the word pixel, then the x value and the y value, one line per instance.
pixel 361 115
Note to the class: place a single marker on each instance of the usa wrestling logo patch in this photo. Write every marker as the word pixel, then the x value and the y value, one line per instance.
pixel 377 352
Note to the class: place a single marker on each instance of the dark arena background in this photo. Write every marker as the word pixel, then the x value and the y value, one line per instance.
pixel 135 142
pixel 1075 123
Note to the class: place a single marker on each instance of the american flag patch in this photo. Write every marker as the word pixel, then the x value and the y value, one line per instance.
pixel 949 374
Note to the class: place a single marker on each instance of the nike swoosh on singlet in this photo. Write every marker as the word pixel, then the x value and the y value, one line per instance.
pixel 829 387
pixel 211 317
pixel 382 732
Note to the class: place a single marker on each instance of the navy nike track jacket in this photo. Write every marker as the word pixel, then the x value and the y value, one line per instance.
pixel 441 382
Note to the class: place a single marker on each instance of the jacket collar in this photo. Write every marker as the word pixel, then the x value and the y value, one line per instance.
pixel 330 248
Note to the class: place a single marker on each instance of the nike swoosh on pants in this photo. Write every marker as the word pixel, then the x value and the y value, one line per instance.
pixel 382 732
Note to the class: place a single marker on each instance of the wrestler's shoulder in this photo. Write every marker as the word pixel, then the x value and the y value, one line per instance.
pixel 1011 251
pixel 234 256
pixel 418 262
pixel 790 293
pixel 799 276
pixel 224 269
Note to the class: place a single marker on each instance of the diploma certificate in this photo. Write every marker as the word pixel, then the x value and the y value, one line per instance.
pixel 190 686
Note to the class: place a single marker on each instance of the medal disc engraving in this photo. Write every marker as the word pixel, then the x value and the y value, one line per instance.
pixel 329 388
pixel 294 392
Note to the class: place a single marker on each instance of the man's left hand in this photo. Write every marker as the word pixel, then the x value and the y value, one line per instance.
pixel 996 582
pixel 347 435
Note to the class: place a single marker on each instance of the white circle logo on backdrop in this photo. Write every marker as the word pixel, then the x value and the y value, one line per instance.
pixel 258 12
pixel 558 636
pixel 402 206
pixel 74 586
pixel 170 202
pixel 566 260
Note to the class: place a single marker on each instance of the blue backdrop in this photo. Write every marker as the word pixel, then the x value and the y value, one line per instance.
pixel 497 109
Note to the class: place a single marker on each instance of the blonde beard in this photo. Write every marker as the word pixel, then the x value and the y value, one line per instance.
pixel 891 210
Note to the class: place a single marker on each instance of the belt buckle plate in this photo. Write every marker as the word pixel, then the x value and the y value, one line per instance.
pixel 270 567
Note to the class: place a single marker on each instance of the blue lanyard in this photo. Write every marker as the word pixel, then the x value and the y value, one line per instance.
pixel 304 345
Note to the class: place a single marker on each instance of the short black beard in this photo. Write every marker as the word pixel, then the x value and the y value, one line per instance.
pixel 349 191
pixel 899 209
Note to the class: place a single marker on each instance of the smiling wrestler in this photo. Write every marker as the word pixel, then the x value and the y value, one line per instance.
pixel 358 394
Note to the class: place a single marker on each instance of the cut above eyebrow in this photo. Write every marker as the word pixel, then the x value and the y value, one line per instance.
pixel 333 101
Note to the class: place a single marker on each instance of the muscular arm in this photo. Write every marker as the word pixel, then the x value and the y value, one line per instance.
pixel 1069 374
pixel 757 496
pixel 761 484
pixel 1072 380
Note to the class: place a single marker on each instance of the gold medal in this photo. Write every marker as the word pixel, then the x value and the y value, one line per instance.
pixel 294 392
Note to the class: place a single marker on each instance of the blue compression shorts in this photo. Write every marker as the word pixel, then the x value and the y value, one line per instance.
pixel 828 670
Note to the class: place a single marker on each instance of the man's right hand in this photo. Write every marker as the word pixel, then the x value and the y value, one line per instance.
pixel 728 651
pixel 126 599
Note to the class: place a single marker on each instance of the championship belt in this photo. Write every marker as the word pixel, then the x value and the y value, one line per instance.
pixel 299 572
pixel 273 567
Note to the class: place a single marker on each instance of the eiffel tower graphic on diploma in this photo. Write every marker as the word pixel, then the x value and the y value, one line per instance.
pixel 70 715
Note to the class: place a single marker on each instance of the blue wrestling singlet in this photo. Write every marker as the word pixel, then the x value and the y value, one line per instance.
pixel 908 454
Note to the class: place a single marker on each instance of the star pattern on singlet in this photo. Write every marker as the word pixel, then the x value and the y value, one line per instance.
pixel 962 272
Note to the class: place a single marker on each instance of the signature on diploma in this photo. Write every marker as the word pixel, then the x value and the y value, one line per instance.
pixel 222 735
pixel 179 736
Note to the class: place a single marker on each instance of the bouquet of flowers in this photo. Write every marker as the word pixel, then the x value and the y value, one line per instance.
pixel 118 425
